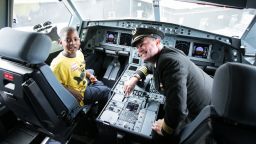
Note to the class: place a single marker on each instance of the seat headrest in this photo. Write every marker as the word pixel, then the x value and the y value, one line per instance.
pixel 53 34
pixel 234 92
pixel 29 47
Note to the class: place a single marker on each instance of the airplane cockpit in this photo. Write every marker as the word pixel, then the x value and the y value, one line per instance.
pixel 218 37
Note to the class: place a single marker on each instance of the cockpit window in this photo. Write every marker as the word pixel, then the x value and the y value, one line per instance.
pixel 114 9
pixel 39 15
pixel 219 20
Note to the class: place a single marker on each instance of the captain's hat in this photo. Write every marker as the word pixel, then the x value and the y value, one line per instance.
pixel 139 33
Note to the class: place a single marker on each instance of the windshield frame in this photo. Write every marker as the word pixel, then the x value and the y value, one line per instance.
pixel 147 10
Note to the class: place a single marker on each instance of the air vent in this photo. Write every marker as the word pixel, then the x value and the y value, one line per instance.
pixel 183 45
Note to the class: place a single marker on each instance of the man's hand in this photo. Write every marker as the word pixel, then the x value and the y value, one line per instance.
pixel 129 85
pixel 157 126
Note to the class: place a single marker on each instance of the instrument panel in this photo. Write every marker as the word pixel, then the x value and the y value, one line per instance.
pixel 203 48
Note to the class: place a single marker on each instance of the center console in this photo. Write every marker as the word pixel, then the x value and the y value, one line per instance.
pixel 136 113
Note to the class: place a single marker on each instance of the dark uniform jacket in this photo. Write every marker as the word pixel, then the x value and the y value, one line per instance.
pixel 187 88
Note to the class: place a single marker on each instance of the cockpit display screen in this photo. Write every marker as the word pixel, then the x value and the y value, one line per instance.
pixel 111 37
pixel 125 39
pixel 200 50
pixel 133 68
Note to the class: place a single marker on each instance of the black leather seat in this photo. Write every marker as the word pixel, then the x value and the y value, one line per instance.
pixel 29 88
pixel 231 119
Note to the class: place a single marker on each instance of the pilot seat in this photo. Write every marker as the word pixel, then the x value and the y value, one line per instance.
pixel 29 88
pixel 231 118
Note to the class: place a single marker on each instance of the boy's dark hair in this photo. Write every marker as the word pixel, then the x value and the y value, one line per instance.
pixel 65 30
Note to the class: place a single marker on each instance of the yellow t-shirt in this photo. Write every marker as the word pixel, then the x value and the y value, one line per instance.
pixel 71 72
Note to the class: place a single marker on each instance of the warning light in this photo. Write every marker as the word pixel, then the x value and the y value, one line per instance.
pixel 8 76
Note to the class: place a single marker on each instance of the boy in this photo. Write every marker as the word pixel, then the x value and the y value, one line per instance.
pixel 69 68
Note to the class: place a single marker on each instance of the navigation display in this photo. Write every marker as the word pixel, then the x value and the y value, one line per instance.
pixel 133 68
pixel 200 50
pixel 125 39
pixel 111 37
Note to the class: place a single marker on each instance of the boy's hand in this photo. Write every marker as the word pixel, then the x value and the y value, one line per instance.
pixel 76 94
pixel 93 79
pixel 78 97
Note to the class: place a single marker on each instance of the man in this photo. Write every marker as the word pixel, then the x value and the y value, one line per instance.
pixel 186 87
pixel 69 68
